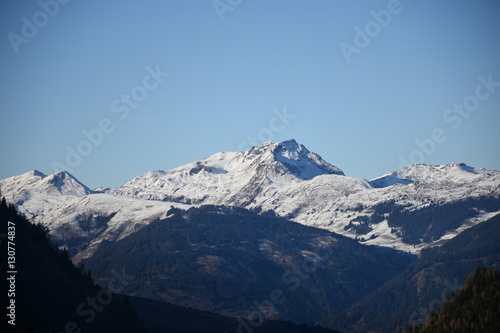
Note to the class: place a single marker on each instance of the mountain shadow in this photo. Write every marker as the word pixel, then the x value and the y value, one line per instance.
pixel 49 294
pixel 235 262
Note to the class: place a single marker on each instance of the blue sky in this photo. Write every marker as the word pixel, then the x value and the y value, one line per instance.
pixel 368 85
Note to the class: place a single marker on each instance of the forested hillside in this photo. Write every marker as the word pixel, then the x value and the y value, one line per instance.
pixel 473 308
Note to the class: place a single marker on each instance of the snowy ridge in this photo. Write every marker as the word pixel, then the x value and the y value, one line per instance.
pixel 72 212
pixel 232 178
pixel 284 177
pixel 301 162
pixel 297 184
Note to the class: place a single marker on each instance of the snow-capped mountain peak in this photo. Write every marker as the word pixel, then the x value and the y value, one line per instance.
pixel 72 211
pixel 301 162
pixel 64 183
pixel 283 177
pixel 453 173
pixel 58 183
pixel 34 186
pixel 439 174
pixel 238 178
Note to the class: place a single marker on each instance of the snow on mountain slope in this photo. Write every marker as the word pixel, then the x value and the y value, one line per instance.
pixel 301 162
pixel 389 180
pixel 441 175
pixel 285 177
pixel 232 178
pixel 336 202
pixel 34 193
pixel 98 217
pixel 77 217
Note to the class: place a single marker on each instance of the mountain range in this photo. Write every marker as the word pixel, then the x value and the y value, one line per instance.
pixel 223 233
pixel 282 177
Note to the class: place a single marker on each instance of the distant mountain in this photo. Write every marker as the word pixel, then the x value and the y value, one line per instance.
pixel 410 209
pixel 272 177
pixel 41 192
pixel 446 214
pixel 78 218
pixel 232 178
pixel 406 299
pixel 232 261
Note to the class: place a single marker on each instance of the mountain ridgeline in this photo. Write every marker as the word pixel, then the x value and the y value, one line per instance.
pixel 250 240
pixel 410 209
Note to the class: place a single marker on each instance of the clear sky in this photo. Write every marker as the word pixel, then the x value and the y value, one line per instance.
pixel 112 89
